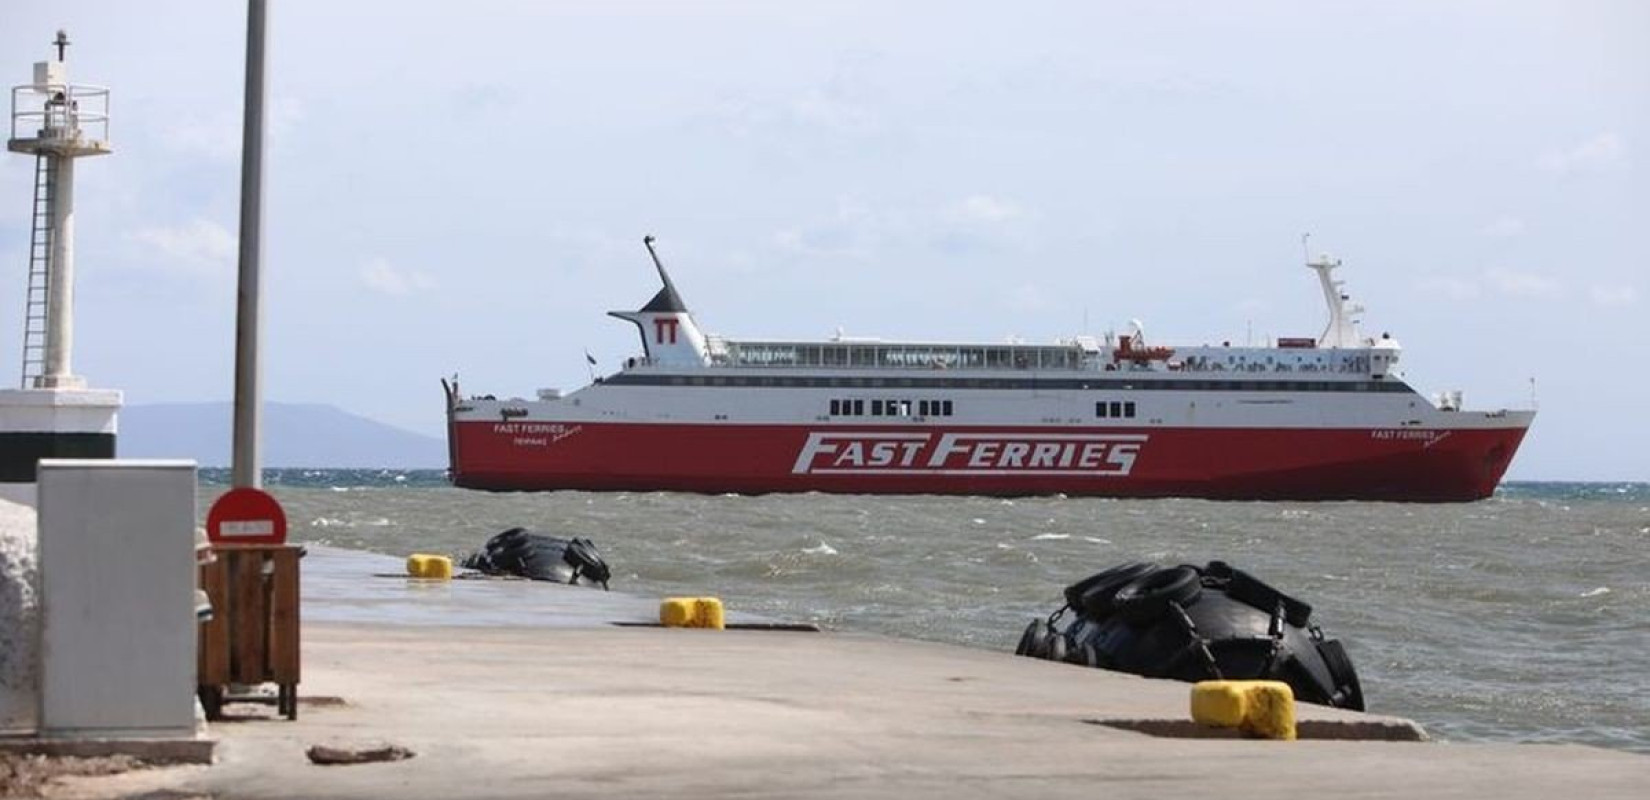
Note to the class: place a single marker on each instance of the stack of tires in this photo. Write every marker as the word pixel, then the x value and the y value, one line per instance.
pixel 1195 623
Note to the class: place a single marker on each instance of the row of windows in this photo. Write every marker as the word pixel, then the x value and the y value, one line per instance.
pixel 922 356
pixel 891 408
pixel 1114 409
pixel 1105 384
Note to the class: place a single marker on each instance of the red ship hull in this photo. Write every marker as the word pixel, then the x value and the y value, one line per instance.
pixel 1404 464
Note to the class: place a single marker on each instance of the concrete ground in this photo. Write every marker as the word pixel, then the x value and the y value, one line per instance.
pixel 541 706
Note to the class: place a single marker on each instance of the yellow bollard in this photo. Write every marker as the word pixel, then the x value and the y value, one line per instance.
pixel 1259 708
pixel 423 565
pixel 692 612
pixel 708 613
pixel 676 612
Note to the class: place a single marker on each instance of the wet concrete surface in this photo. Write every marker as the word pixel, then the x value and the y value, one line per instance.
pixel 524 690
pixel 350 586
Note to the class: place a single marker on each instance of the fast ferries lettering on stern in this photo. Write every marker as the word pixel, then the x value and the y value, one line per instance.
pixel 1326 417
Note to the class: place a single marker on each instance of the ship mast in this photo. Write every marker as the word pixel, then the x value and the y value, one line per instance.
pixel 1342 330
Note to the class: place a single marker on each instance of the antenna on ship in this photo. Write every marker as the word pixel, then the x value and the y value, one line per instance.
pixel 668 298
pixel 657 264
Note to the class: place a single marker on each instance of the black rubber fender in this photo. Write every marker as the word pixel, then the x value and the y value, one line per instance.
pixel 581 555
pixel 1134 569
pixel 1147 597
pixel 1349 693
pixel 1058 646
pixel 1261 595
pixel 1098 600
pixel 1033 639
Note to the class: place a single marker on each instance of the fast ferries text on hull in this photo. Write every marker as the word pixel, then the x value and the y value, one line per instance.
pixel 1326 418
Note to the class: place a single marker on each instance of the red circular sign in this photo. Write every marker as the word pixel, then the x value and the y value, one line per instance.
pixel 246 516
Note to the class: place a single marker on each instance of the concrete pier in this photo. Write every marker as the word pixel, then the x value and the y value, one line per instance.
pixel 517 689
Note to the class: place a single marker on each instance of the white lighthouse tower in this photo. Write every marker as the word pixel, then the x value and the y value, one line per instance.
pixel 53 414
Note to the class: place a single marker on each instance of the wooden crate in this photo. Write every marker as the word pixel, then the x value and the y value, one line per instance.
pixel 252 637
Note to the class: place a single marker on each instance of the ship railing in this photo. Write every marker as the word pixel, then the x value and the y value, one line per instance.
pixel 1352 365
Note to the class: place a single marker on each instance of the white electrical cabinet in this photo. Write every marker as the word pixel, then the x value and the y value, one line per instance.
pixel 117 581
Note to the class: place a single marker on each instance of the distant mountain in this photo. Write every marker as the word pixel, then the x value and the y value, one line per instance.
pixel 294 435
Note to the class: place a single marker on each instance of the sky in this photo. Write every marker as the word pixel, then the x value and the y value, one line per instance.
pixel 463 188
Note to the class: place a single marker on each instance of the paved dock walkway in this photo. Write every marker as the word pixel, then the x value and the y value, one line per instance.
pixel 548 707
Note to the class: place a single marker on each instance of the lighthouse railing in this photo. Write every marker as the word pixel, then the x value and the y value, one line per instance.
pixel 83 112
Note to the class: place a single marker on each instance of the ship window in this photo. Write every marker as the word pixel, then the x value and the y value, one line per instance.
pixel 922 408
pixel 1116 409
pixel 945 408
pixel 836 408
pixel 1100 409
pixel 1128 408
pixel 876 408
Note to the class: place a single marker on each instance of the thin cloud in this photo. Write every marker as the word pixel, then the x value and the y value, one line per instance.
pixel 1503 228
pixel 1029 298
pixel 1609 296
pixel 379 276
pixel 985 208
pixel 1600 153
pixel 1450 287
pixel 1493 281
pixel 1522 284
pixel 854 231
pixel 199 246
pixel 217 136
pixel 841 111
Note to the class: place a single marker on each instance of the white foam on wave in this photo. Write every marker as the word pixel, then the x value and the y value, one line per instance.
pixel 328 522
pixel 978 521
pixel 822 550
pixel 1096 540
pixel 1051 537
pixel 1596 592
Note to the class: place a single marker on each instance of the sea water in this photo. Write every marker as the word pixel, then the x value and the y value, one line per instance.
pixel 1525 617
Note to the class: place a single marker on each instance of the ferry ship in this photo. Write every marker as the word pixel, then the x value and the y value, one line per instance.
pixel 1324 418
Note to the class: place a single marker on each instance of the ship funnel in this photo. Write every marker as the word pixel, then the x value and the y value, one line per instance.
pixel 669 334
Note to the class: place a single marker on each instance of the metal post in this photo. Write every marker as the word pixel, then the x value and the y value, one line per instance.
pixel 60 283
pixel 247 463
